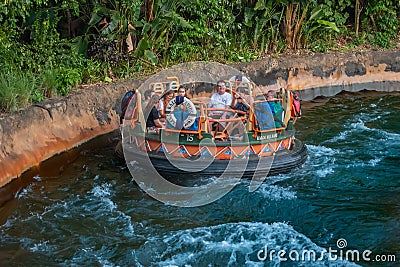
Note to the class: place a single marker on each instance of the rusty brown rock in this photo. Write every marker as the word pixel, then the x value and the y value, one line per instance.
pixel 46 129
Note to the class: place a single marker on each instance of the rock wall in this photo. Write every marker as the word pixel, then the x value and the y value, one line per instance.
pixel 44 130
pixel 328 74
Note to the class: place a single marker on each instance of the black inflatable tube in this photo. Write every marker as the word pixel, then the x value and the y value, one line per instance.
pixel 283 162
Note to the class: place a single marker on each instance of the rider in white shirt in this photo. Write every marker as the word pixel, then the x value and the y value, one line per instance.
pixel 220 99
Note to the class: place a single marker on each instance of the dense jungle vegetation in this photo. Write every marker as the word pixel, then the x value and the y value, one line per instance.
pixel 48 47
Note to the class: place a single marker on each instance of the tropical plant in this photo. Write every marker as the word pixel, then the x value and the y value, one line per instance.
pixel 18 89
pixel 385 24
pixel 263 24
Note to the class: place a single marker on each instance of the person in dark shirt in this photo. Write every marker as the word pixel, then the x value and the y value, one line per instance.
pixel 240 103
pixel 153 120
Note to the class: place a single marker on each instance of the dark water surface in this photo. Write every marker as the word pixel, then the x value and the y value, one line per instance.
pixel 94 214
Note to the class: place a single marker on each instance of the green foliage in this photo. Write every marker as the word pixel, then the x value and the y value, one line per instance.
pixel 43 56
pixel 384 22
pixel 360 39
pixel 66 79
pixel 48 80
pixel 115 22
pixel 320 28
pixel 334 11
pixel 211 26
pixel 18 89
pixel 260 21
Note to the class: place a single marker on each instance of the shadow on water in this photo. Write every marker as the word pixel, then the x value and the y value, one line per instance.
pixel 53 167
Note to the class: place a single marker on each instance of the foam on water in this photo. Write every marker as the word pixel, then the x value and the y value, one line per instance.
pixel 232 244
pixel 359 145
pixel 104 192
pixel 321 151
pixel 352 127
pixel 324 172
pixel 274 192
pixel 356 125
pixel 25 191
pixel 323 159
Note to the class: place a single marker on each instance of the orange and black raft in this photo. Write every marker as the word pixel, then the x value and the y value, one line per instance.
pixel 197 140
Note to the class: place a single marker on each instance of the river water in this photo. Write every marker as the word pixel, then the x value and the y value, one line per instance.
pixel 346 197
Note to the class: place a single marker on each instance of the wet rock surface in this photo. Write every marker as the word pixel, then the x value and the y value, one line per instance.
pixel 49 128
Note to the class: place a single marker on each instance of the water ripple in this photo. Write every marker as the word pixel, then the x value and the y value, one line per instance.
pixel 233 244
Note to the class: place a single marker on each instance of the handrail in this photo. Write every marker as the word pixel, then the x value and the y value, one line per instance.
pixel 198 132
pixel 271 130
pixel 233 118
pixel 227 110
pixel 271 100
pixel 228 120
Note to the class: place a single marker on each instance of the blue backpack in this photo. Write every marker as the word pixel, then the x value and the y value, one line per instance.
pixel 264 115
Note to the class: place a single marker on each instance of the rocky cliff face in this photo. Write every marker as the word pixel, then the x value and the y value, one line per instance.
pixel 44 130
pixel 328 74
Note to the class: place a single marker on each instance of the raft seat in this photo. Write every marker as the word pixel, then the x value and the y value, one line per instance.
pixel 263 120
pixel 226 123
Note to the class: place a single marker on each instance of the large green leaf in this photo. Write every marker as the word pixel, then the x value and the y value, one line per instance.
pixel 96 18
pixel 248 16
pixel 260 5
pixel 80 44
pixel 98 13
pixel 137 24
pixel 316 13
pixel 150 56
pixel 141 47
pixel 330 25
pixel 115 18
pixel 178 20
